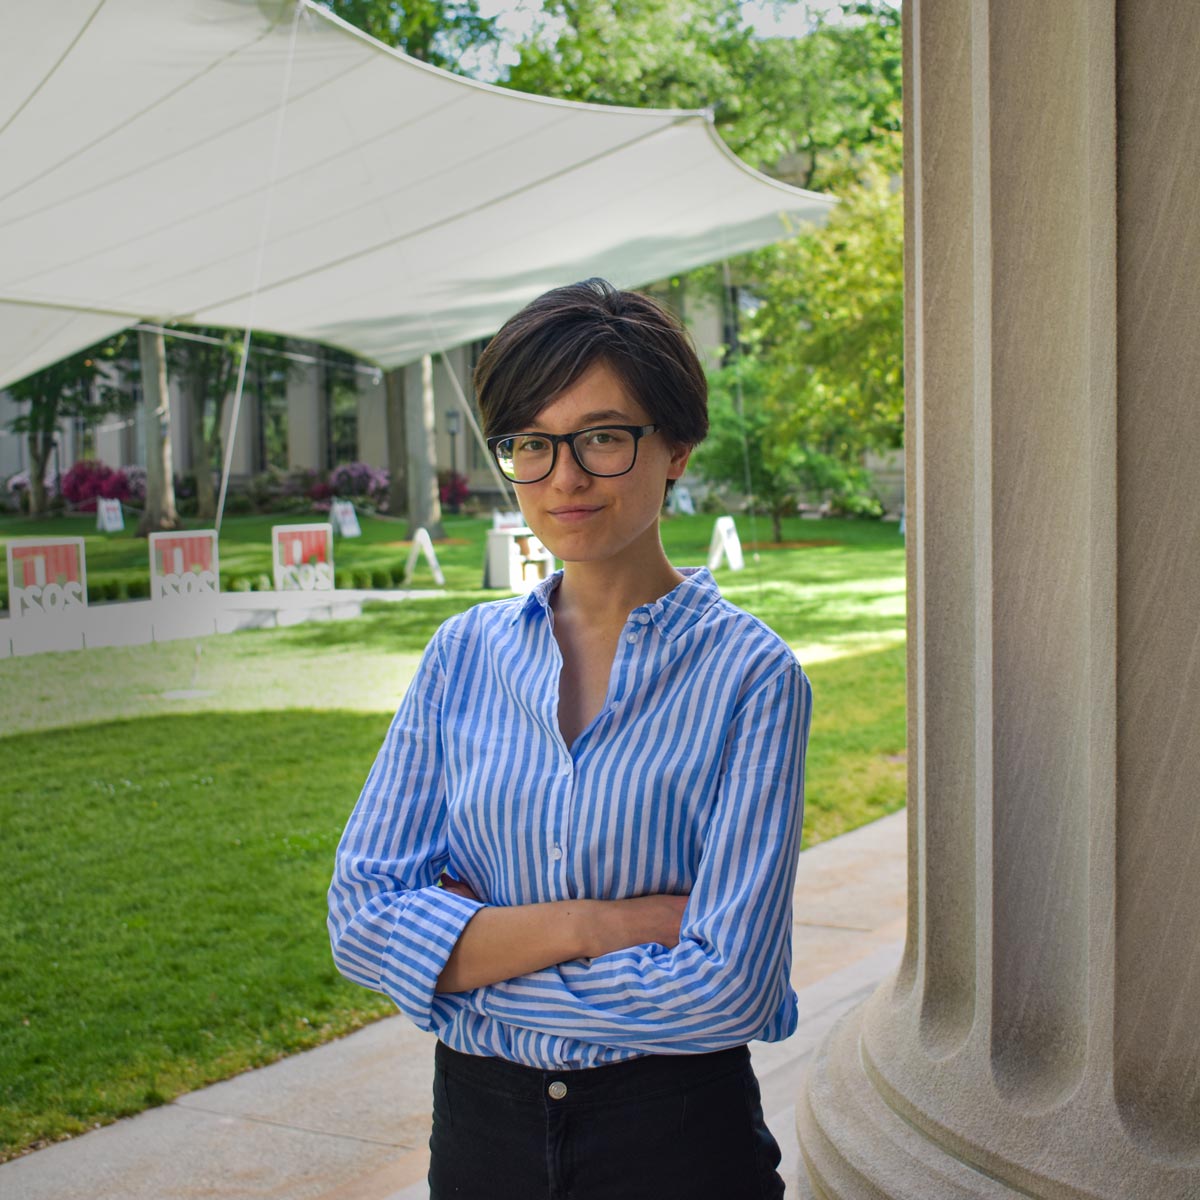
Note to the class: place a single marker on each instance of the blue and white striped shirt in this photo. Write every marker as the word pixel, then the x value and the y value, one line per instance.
pixel 690 780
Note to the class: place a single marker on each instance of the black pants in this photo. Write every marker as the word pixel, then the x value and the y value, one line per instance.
pixel 665 1127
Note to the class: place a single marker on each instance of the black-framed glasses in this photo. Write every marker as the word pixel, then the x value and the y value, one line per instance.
pixel 603 450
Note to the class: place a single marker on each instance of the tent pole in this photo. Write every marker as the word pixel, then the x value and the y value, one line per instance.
pixel 231 437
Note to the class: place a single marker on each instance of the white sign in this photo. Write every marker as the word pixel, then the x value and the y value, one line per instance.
pixel 515 560
pixel 725 544
pixel 422 543
pixel 303 557
pixel 507 520
pixel 344 518
pixel 109 517
pixel 184 566
pixel 46 577
pixel 680 501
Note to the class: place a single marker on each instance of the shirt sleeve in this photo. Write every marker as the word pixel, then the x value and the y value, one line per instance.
pixel 392 928
pixel 730 973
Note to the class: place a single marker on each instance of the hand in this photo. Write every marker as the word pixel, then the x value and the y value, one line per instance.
pixel 458 887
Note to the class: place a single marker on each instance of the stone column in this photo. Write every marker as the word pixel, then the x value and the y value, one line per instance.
pixel 371 422
pixel 424 505
pixel 242 462
pixel 1042 1035
pixel 306 413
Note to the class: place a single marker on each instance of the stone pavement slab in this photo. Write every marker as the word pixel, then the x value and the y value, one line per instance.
pixel 350 1120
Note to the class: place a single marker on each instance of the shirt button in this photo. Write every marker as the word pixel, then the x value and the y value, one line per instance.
pixel 641 618
pixel 557 1090
pixel 556 853
pixel 631 638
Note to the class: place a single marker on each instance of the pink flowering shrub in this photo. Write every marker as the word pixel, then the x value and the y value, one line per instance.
pixel 361 482
pixel 90 479
pixel 453 489
pixel 16 489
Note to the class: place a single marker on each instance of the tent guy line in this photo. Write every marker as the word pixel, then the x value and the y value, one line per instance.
pixel 268 203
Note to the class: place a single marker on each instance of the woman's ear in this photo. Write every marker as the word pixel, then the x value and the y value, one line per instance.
pixel 678 461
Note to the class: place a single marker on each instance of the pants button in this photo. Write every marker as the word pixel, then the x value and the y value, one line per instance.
pixel 557 1090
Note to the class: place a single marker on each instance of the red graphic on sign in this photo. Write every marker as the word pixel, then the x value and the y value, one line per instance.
pixel 39 565
pixel 46 578
pixel 303 546
pixel 175 555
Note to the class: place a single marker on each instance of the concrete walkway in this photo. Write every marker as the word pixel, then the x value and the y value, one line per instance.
pixel 350 1120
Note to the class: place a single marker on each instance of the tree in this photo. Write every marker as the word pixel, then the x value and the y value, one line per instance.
pixel 829 333
pixel 439 32
pixel 159 512
pixel 207 371
pixel 75 387
pixel 661 53
pixel 798 107
pixel 744 452
pixel 821 105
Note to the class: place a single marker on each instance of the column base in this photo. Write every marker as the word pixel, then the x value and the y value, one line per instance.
pixel 856 1147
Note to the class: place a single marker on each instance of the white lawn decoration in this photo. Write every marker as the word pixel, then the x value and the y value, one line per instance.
pixel 47 594
pixel 47 577
pixel 422 544
pixel 109 516
pixel 515 560
pixel 725 544
pixel 303 557
pixel 184 566
pixel 185 584
pixel 680 501
pixel 345 519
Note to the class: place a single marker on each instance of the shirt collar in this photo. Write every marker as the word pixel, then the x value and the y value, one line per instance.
pixel 671 615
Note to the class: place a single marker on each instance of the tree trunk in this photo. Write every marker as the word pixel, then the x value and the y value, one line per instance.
pixel 424 506
pixel 160 511
pixel 777 525
pixel 40 445
pixel 397 443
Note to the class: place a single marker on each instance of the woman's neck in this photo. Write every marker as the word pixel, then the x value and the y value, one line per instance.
pixel 598 594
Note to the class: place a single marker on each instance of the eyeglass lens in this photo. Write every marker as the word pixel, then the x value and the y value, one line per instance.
pixel 602 451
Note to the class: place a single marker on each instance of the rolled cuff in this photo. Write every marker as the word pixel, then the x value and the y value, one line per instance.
pixel 424 936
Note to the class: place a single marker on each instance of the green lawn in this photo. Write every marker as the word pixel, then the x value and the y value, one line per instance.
pixel 163 913
pixel 839 588
pixel 170 814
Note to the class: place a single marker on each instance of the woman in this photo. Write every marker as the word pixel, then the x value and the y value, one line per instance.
pixel 574 857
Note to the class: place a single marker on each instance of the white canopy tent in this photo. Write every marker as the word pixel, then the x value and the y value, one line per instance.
pixel 262 164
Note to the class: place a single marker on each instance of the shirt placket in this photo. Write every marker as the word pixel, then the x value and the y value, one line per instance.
pixel 564 854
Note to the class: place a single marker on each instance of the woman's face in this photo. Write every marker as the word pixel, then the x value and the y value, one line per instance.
pixel 586 518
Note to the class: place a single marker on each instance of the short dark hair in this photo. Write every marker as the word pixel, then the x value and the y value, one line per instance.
pixel 543 349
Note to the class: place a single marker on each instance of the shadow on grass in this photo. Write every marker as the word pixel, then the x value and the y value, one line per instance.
pixel 405 625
